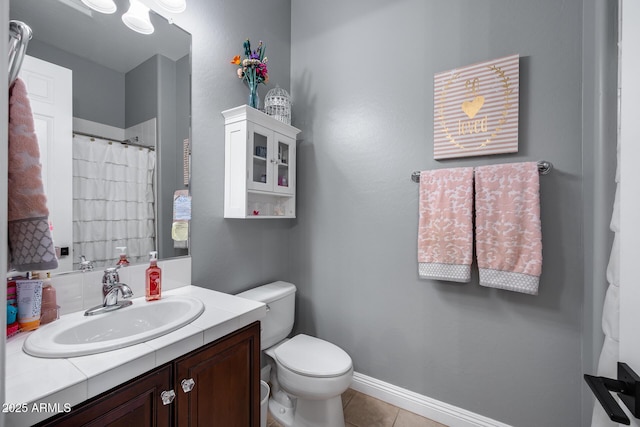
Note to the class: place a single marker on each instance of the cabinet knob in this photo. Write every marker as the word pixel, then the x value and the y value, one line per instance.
pixel 274 161
pixel 188 385
pixel 167 396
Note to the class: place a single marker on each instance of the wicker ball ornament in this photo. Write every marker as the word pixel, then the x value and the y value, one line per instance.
pixel 277 104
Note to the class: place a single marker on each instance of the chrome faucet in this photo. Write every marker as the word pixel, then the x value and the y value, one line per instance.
pixel 111 285
pixel 85 265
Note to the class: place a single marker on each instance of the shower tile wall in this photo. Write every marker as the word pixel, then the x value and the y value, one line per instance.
pixel 145 131
pixel 95 128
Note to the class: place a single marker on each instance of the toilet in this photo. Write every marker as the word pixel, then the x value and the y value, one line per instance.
pixel 308 375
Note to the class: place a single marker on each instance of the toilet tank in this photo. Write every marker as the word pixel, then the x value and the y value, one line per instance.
pixel 280 300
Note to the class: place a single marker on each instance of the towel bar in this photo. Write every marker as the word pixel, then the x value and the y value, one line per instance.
pixel 544 167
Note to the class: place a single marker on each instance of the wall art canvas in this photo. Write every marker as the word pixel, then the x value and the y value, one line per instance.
pixel 476 109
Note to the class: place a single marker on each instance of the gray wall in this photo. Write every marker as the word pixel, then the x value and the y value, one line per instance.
pixel 362 86
pixel 98 92
pixel 159 88
pixel 183 110
pixel 182 132
pixel 231 255
pixel 141 88
pixel 169 144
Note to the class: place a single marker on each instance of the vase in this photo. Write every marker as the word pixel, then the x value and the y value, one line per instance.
pixel 254 98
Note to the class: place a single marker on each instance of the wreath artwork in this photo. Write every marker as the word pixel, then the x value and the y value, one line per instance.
pixel 476 109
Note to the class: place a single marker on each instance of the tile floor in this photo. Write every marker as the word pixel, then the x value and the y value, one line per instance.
pixel 361 410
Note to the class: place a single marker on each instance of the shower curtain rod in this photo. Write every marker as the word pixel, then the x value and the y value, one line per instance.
pixel 544 167
pixel 131 141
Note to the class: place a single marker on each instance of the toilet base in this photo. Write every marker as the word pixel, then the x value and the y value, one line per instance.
pixel 282 414
pixel 309 413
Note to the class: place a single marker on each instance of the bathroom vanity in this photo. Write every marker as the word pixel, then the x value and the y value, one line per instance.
pixel 205 373
pixel 217 384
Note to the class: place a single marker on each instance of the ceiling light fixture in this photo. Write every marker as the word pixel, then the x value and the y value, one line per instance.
pixel 102 6
pixel 137 18
pixel 173 6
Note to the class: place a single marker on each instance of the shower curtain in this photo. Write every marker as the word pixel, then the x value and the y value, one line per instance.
pixel 113 201
pixel 608 363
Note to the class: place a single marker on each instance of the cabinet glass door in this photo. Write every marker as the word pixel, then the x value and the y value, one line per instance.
pixel 285 164
pixel 261 159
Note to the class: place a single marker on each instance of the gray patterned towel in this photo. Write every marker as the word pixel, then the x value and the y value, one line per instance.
pixel 30 243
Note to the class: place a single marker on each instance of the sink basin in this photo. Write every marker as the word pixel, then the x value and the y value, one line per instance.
pixel 79 335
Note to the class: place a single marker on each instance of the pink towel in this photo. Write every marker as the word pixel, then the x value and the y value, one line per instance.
pixel 30 243
pixel 508 233
pixel 445 233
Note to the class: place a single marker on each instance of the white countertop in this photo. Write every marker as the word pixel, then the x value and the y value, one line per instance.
pixel 43 386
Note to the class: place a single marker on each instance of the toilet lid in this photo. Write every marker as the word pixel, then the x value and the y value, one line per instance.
pixel 313 357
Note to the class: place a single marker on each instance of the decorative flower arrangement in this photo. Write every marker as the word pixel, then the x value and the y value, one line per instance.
pixel 252 69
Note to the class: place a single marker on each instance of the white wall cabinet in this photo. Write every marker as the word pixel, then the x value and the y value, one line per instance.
pixel 260 165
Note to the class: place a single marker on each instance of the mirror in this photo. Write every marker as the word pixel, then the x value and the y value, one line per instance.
pixel 126 87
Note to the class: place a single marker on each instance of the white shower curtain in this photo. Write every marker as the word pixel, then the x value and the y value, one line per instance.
pixel 113 201
pixel 608 363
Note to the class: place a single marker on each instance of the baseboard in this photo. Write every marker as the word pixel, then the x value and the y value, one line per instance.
pixel 422 405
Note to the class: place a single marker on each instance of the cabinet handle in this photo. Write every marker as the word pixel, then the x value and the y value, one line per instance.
pixel 167 396
pixel 188 385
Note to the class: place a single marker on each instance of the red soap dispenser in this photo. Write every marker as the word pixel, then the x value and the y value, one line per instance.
pixel 123 261
pixel 154 278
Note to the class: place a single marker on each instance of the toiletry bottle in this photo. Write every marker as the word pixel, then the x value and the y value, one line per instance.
pixel 29 293
pixel 154 278
pixel 12 308
pixel 49 302
pixel 123 262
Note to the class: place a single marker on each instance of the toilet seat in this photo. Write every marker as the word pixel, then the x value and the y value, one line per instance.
pixel 313 357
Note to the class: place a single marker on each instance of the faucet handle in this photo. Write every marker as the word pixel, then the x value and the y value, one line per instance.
pixel 85 264
pixel 111 276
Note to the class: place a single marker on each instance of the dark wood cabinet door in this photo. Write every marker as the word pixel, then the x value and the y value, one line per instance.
pixel 135 404
pixel 227 382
